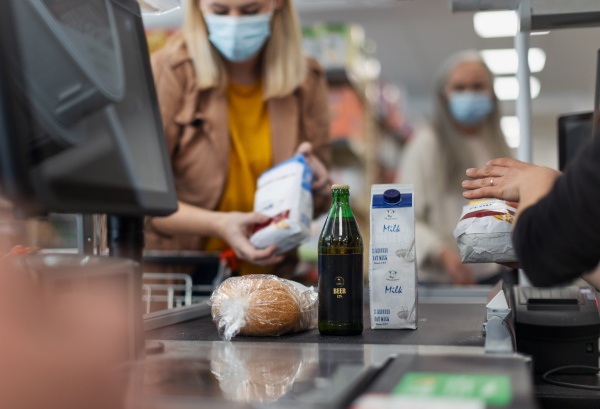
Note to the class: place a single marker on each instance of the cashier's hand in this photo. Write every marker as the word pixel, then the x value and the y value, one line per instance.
pixel 236 227
pixel 460 274
pixel 321 182
pixel 509 179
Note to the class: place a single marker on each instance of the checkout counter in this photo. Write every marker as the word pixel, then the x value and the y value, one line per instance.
pixel 442 364
pixel 307 370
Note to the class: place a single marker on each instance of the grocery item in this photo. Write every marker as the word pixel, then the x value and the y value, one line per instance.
pixel 284 194
pixel 484 232
pixel 392 266
pixel 262 305
pixel 340 269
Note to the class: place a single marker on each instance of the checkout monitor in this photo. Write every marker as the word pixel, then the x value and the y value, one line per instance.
pixel 80 127
pixel 573 131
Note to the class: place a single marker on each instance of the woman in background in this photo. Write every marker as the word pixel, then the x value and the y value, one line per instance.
pixel 237 97
pixel 465 133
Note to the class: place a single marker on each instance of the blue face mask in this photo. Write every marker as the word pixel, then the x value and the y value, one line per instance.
pixel 470 108
pixel 238 38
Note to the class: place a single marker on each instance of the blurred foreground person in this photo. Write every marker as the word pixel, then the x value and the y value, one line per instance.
pixel 58 352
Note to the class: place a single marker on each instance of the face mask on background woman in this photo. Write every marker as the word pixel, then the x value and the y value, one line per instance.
pixel 470 108
pixel 238 38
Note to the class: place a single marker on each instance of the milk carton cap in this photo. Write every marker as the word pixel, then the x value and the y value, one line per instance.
pixel 391 196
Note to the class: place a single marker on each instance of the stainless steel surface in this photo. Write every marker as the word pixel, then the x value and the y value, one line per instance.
pixel 524 151
pixel 165 318
pixel 499 329
pixel 442 294
pixel 165 282
pixel 273 375
pixel 296 371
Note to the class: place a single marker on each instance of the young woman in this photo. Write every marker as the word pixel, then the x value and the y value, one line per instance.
pixel 237 96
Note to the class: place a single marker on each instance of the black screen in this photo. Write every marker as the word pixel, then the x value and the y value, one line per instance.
pixel 79 116
pixel 573 132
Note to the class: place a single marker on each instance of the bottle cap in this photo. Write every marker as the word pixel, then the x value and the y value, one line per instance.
pixel 391 196
pixel 334 187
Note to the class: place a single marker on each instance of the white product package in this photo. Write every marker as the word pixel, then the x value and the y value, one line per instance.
pixel 392 261
pixel 484 232
pixel 284 194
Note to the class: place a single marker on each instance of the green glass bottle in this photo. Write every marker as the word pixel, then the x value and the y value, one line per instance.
pixel 340 269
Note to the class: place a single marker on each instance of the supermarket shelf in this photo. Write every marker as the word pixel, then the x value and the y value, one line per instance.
pixel 339 76
pixel 349 147
pixel 342 76
pixel 393 133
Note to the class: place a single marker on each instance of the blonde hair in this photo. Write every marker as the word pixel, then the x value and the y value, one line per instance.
pixel 283 64
pixel 452 141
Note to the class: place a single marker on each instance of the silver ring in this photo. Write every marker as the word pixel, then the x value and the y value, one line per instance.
pixel 491 182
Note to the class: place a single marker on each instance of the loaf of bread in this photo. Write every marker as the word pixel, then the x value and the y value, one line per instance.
pixel 262 305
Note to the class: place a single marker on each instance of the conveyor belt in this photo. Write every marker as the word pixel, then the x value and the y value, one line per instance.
pixel 439 324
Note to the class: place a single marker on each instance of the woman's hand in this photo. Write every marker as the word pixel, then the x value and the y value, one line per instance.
pixel 235 228
pixel 321 182
pixel 511 180
pixel 460 274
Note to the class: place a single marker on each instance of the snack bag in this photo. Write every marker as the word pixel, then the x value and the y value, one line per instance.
pixel 392 261
pixel 484 232
pixel 284 194
pixel 262 305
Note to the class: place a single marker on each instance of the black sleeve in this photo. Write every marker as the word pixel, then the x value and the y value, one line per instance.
pixel 558 239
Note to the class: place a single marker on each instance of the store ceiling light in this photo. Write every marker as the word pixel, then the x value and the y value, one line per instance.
pixel 506 61
pixel 507 88
pixel 511 129
pixel 492 24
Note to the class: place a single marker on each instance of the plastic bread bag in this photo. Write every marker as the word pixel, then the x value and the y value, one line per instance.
pixel 262 305
pixel 484 232
pixel 284 194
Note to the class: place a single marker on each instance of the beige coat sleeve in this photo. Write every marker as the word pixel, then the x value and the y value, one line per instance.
pixel 169 90
pixel 315 118
pixel 418 165
pixel 315 124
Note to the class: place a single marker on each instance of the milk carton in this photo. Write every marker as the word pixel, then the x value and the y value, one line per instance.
pixel 392 266
pixel 284 194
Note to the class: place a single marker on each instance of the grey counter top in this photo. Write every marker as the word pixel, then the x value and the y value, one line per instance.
pixel 449 325
pixel 217 374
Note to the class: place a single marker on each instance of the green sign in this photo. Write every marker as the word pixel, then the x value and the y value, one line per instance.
pixel 494 390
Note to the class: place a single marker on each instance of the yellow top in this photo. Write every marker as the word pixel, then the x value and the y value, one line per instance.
pixel 250 156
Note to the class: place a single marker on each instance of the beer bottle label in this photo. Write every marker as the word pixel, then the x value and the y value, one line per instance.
pixel 340 287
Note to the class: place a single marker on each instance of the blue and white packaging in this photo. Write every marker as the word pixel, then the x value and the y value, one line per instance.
pixel 392 261
pixel 284 194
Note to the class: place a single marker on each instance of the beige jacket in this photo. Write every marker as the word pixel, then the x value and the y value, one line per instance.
pixel 437 206
pixel 197 131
